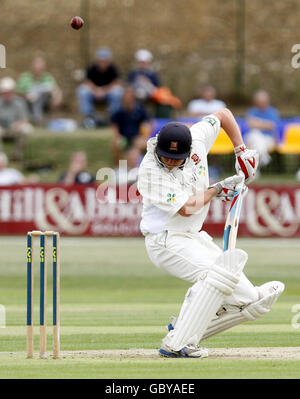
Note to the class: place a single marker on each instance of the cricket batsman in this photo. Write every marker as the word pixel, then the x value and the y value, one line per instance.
pixel 174 183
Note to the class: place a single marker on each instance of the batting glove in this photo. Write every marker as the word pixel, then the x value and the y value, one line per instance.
pixel 226 188
pixel 246 162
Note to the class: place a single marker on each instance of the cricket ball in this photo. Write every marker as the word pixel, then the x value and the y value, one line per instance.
pixel 77 22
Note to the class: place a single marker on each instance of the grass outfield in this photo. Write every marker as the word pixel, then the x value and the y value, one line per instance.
pixel 115 305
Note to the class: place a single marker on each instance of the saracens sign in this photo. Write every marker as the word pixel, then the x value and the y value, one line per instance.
pixel 268 211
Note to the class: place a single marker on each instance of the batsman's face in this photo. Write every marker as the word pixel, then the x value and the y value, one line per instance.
pixel 172 163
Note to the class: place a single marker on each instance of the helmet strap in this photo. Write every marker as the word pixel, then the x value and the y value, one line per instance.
pixel 160 162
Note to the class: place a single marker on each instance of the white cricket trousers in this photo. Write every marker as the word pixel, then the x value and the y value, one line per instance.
pixel 189 256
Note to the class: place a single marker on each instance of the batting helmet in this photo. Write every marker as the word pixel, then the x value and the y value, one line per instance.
pixel 174 141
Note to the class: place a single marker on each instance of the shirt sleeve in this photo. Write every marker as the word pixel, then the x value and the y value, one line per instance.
pixel 250 112
pixel 221 104
pixel 16 176
pixel 22 110
pixel 158 188
pixel 155 79
pixel 24 83
pixel 19 177
pixel 131 77
pixel 114 73
pixel 276 116
pixel 206 131
pixel 49 81
pixel 144 115
pixel 115 118
pixel 89 73
pixel 192 106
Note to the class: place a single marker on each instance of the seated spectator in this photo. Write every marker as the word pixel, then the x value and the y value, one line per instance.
pixel 102 85
pixel 205 105
pixel 40 89
pixel 143 78
pixel 14 117
pixel 263 122
pixel 131 129
pixel 77 173
pixel 146 83
pixel 9 176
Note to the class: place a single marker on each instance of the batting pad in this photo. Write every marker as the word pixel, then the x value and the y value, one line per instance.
pixel 206 297
pixel 270 291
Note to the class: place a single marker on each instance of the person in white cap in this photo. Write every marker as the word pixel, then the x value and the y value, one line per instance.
pixel 143 78
pixel 14 116
pixel 101 84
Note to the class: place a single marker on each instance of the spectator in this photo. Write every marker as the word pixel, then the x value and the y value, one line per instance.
pixel 207 104
pixel 102 84
pixel 263 123
pixel 13 117
pixel 147 86
pixel 200 107
pixel 40 89
pixel 130 124
pixel 143 78
pixel 77 173
pixel 8 176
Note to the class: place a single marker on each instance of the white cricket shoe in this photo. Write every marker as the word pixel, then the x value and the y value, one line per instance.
pixel 191 351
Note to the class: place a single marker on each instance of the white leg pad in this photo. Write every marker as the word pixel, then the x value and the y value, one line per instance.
pixel 205 298
pixel 269 293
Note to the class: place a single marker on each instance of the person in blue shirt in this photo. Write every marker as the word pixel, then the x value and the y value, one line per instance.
pixel 263 124
pixel 143 78
pixel 131 129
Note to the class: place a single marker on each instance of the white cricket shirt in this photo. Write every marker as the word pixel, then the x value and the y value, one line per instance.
pixel 164 192
pixel 9 177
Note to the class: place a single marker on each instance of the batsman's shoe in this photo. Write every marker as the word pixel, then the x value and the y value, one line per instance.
pixel 191 351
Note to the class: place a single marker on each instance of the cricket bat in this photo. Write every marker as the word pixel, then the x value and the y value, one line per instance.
pixel 233 217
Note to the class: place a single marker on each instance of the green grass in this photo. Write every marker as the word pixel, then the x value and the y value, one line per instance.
pixel 149 368
pixel 54 149
pixel 114 298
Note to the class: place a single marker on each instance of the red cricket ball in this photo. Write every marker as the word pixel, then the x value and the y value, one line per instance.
pixel 77 22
